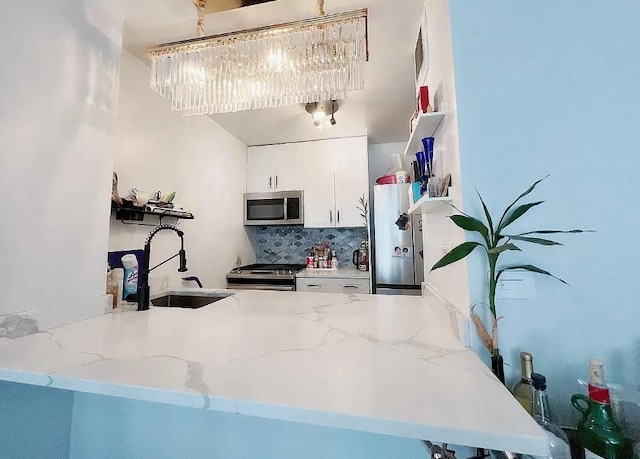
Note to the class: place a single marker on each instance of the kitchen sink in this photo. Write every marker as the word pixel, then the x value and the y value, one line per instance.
pixel 189 301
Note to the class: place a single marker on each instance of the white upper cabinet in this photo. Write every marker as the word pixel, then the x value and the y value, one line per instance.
pixel 334 175
pixel 319 172
pixel 274 168
pixel 289 162
pixel 260 176
pixel 351 179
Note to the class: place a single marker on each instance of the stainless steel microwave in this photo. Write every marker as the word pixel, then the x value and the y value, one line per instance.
pixel 275 208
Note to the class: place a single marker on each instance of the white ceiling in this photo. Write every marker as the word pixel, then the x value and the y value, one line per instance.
pixel 381 111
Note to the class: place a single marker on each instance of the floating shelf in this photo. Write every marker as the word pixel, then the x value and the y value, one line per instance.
pixel 137 215
pixel 428 124
pixel 426 205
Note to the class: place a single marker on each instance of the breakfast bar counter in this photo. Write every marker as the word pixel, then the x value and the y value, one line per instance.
pixel 387 365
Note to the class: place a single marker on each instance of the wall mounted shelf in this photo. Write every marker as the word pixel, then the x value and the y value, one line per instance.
pixel 137 215
pixel 428 124
pixel 426 205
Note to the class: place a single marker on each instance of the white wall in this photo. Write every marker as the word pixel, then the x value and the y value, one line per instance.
pixel 551 87
pixel 60 64
pixel 157 149
pixel 439 232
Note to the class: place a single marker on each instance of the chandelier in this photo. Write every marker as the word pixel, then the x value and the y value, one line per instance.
pixel 294 63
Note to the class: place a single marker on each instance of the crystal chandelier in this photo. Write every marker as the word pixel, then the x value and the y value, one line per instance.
pixel 294 63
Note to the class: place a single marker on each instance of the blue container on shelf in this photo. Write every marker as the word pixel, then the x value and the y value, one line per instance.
pixel 415 189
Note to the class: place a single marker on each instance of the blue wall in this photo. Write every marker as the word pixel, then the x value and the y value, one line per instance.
pixel 552 87
pixel 108 427
pixel 35 422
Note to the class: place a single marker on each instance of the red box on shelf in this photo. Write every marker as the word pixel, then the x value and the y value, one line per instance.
pixel 423 99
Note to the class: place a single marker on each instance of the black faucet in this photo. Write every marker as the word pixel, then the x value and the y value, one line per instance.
pixel 143 278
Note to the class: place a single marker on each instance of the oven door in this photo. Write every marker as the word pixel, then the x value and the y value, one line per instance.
pixel 278 208
pixel 279 288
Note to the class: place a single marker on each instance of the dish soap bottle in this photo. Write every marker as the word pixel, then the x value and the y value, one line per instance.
pixel 523 389
pixel 558 440
pixel 599 433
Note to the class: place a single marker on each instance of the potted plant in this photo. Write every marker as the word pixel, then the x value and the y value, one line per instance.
pixel 363 208
pixel 495 240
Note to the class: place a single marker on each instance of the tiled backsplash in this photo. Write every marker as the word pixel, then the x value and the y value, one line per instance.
pixel 291 244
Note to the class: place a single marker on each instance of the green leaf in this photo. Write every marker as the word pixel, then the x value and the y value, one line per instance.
pixel 504 248
pixel 486 214
pixel 533 269
pixel 472 224
pixel 534 240
pixel 506 211
pixel 456 254
pixel 516 214
pixel 573 231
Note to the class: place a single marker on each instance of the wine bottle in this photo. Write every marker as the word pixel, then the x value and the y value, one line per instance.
pixel 599 432
pixel 558 440
pixel 523 389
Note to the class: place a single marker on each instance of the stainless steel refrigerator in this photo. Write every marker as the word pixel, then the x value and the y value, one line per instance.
pixel 398 260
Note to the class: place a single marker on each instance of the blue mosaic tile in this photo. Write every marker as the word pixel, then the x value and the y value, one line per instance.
pixel 291 244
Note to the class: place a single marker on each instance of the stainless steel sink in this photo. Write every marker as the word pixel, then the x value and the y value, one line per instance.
pixel 189 301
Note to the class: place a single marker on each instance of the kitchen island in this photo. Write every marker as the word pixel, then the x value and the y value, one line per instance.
pixel 388 366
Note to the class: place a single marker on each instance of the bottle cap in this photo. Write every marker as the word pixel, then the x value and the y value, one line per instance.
pixel 526 356
pixel 596 372
pixel 539 381
pixel 598 390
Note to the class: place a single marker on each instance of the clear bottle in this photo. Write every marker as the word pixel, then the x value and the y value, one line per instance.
pixel 599 433
pixel 523 389
pixel 558 440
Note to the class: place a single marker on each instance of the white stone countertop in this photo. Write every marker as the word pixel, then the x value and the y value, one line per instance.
pixel 382 364
pixel 340 273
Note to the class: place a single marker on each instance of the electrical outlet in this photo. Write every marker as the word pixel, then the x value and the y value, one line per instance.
pixel 446 248
pixel 516 285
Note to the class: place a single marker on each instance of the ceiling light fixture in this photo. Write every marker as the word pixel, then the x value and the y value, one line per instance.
pixel 323 113
pixel 285 64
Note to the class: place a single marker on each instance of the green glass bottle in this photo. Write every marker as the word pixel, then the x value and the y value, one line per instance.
pixel 599 432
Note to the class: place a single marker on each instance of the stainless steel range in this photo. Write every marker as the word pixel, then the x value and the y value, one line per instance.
pixel 264 277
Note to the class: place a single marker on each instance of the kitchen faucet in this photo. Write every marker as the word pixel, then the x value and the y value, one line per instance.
pixel 143 278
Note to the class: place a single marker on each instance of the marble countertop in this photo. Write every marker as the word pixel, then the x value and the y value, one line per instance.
pixel 382 364
pixel 340 273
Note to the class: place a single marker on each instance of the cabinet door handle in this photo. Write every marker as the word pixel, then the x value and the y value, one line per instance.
pixel 313 286
pixel 331 216
pixel 338 214
pixel 276 182
pixel 270 181
pixel 349 286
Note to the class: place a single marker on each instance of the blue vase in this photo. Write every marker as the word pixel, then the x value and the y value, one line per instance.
pixel 427 144
pixel 421 158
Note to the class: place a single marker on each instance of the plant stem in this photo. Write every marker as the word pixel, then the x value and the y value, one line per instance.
pixel 493 259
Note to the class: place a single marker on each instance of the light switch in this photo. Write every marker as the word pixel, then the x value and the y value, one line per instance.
pixel 516 285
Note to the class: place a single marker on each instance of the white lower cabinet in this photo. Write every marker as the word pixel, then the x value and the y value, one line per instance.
pixel 313 285
pixel 336 285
